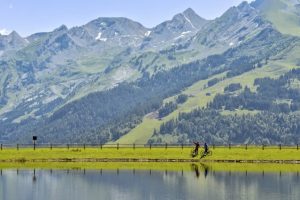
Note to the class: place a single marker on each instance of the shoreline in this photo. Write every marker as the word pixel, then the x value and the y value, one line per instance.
pixel 160 166
pixel 138 160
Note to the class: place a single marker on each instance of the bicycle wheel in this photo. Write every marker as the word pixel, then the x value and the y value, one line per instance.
pixel 202 152
pixel 209 153
pixel 194 153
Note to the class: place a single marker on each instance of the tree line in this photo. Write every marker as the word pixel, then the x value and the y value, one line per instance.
pixel 274 95
pixel 211 126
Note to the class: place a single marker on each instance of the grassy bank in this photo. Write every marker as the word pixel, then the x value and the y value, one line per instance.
pixel 143 154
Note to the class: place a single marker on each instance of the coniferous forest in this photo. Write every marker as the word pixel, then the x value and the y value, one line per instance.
pixel 276 102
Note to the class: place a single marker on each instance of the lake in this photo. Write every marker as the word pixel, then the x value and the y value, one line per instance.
pixel 197 183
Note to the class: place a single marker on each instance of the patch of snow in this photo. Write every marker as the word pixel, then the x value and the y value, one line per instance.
pixel 183 34
pixel 103 24
pixel 180 36
pixel 121 74
pixel 50 99
pixel 187 19
pixel 186 32
pixel 34 104
pixel 24 76
pixel 147 34
pixel 136 36
pixel 4 31
pixel 99 37
pixel 231 44
pixel 30 99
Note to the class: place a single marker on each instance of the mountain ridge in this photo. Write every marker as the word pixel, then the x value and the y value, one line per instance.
pixel 54 69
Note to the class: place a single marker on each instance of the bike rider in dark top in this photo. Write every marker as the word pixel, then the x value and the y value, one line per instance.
pixel 205 148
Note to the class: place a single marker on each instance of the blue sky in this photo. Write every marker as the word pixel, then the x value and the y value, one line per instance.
pixel 30 16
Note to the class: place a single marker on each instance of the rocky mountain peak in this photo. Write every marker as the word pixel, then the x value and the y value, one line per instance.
pixel 189 11
pixel 117 25
pixel 196 20
pixel 15 37
pixel 62 28
pixel 12 41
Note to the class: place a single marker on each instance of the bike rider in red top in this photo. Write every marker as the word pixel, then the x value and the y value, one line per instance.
pixel 197 146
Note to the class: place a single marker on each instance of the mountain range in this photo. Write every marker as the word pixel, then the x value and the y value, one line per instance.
pixel 45 76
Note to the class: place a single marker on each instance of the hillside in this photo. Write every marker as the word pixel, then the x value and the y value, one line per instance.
pixel 199 98
pixel 111 79
pixel 45 71
pixel 284 14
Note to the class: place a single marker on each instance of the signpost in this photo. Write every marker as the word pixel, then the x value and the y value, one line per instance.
pixel 34 138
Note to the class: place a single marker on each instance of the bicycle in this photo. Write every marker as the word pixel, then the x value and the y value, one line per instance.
pixel 194 153
pixel 204 154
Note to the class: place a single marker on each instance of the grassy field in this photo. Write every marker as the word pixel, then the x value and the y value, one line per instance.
pixel 80 154
pixel 144 131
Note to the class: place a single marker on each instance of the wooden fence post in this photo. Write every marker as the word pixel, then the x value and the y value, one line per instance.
pixel 1 147
pixel 280 146
pixel 133 146
pixel 263 147
pixel 166 147
pixel 68 146
pixel 84 146
pixel 17 146
pixel 100 146
pixel 117 146
pixel 229 146
pixel 50 146
pixel 297 146
pixel 150 146
pixel 181 146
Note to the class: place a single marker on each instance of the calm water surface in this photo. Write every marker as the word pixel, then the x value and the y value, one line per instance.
pixel 198 183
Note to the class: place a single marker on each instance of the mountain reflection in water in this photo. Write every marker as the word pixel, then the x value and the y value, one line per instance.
pixel 201 182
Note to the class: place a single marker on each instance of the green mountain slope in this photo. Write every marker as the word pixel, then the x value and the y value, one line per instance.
pixel 284 14
pixel 198 97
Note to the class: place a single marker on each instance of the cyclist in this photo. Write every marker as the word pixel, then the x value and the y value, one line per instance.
pixel 205 148
pixel 197 146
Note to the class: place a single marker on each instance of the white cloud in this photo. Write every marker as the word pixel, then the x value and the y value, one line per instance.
pixel 4 31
